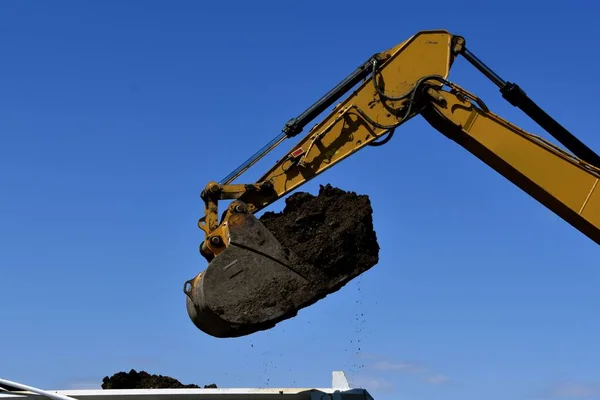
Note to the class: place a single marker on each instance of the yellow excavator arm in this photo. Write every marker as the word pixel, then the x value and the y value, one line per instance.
pixel 392 87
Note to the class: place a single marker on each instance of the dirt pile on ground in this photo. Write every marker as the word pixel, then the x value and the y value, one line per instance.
pixel 143 380
pixel 314 247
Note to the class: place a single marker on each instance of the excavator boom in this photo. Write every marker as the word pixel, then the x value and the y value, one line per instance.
pixel 557 179
pixel 391 87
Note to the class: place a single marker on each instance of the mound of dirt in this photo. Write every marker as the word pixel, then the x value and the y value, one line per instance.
pixel 326 241
pixel 143 380
pixel 333 232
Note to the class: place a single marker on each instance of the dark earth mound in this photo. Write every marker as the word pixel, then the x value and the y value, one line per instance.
pixel 332 231
pixel 143 380
pixel 326 241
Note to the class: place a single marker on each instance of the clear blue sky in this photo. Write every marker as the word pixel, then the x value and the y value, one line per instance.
pixel 114 115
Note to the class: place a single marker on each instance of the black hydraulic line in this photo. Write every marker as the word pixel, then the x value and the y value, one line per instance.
pixel 518 98
pixel 484 69
pixel 295 125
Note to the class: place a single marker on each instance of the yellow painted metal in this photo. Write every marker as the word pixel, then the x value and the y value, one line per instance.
pixel 566 185
pixel 347 129
pixel 417 69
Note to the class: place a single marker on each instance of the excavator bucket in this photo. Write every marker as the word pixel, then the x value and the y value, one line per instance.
pixel 253 284
pixel 256 282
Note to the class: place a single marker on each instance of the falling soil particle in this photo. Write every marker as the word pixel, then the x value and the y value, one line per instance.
pixel 326 241
pixel 143 380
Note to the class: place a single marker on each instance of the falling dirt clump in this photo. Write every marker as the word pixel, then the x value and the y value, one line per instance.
pixel 143 380
pixel 288 261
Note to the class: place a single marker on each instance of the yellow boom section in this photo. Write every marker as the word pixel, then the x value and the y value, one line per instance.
pixel 561 182
pixel 363 117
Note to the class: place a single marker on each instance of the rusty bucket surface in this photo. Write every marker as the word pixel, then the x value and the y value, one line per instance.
pixel 253 284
